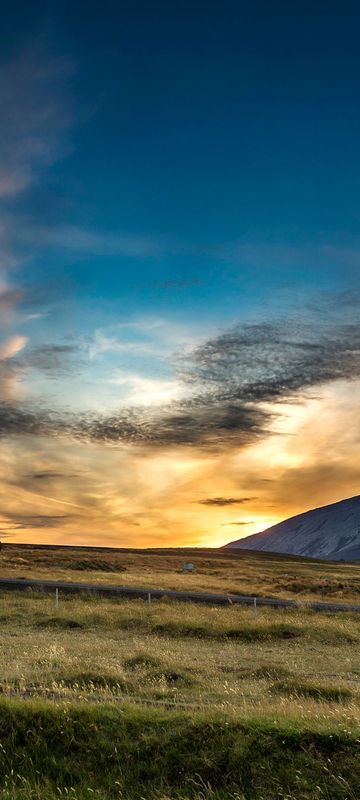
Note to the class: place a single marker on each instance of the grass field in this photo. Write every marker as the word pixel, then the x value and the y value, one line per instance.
pixel 142 754
pixel 241 572
pixel 105 698
pixel 288 683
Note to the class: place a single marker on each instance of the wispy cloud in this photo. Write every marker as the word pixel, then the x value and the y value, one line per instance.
pixel 56 500
pixel 222 393
pixel 11 347
pixel 22 522
pixel 9 298
pixel 148 391
pixel 199 421
pixel 33 135
pixel 102 343
pixel 35 118
pixel 55 360
pixel 271 360
pixel 48 475
pixel 225 501
pixel 10 388
pixel 153 337
pixel 81 241
pixel 194 422
pixel 172 285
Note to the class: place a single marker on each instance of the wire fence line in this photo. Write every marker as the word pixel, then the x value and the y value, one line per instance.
pixel 149 594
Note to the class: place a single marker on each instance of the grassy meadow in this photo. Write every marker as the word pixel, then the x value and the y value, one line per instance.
pixel 223 571
pixel 105 698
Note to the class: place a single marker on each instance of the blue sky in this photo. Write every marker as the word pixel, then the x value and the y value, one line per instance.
pixel 170 174
pixel 216 142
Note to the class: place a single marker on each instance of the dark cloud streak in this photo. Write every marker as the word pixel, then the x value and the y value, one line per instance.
pixel 269 361
pixel 23 521
pixel 225 501
pixel 232 376
pixel 56 360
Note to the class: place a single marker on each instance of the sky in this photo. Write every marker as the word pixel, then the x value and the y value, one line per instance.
pixel 179 268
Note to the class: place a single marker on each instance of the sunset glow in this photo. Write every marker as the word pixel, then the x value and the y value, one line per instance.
pixel 179 335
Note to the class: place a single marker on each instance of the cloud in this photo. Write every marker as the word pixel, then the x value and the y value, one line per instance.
pixel 81 241
pixel 35 118
pixel 24 419
pixel 53 359
pixel 172 285
pixel 272 360
pixel 50 474
pixel 200 421
pixel 343 301
pixel 10 298
pixel 10 389
pixel 232 377
pixel 227 385
pixel 11 347
pixel 147 391
pixel 225 501
pixel 153 337
pixel 201 425
pixel 15 522
pixel 33 135
pixel 110 344
pixel 225 524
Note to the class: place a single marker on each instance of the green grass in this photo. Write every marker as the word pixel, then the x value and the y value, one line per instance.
pixel 301 688
pixel 230 655
pixel 139 660
pixel 174 621
pixel 104 698
pixel 50 752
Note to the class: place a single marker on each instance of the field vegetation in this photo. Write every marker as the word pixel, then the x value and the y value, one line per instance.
pixel 223 571
pixel 105 698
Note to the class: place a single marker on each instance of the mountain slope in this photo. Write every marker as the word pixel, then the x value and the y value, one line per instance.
pixel 332 532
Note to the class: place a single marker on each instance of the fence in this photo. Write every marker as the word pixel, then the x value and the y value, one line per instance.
pixel 149 594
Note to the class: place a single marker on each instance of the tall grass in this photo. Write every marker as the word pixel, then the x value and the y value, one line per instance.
pixel 100 650
pixel 104 698
pixel 68 751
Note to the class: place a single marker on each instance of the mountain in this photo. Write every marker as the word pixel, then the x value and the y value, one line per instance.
pixel 331 532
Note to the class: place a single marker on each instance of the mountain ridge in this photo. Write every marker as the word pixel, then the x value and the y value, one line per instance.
pixel 331 532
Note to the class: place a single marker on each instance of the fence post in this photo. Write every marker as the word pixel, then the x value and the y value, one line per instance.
pixel 254 607
pixel 149 600
pixel 56 598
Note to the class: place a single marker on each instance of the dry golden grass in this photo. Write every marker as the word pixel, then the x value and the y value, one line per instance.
pixel 104 697
pixel 295 663
pixel 242 572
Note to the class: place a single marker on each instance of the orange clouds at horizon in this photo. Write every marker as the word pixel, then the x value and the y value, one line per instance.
pixel 171 373
pixel 62 492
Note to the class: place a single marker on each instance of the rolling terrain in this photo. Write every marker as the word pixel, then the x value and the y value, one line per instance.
pixel 224 571
pixel 104 697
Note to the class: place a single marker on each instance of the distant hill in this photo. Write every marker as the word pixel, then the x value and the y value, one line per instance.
pixel 331 532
